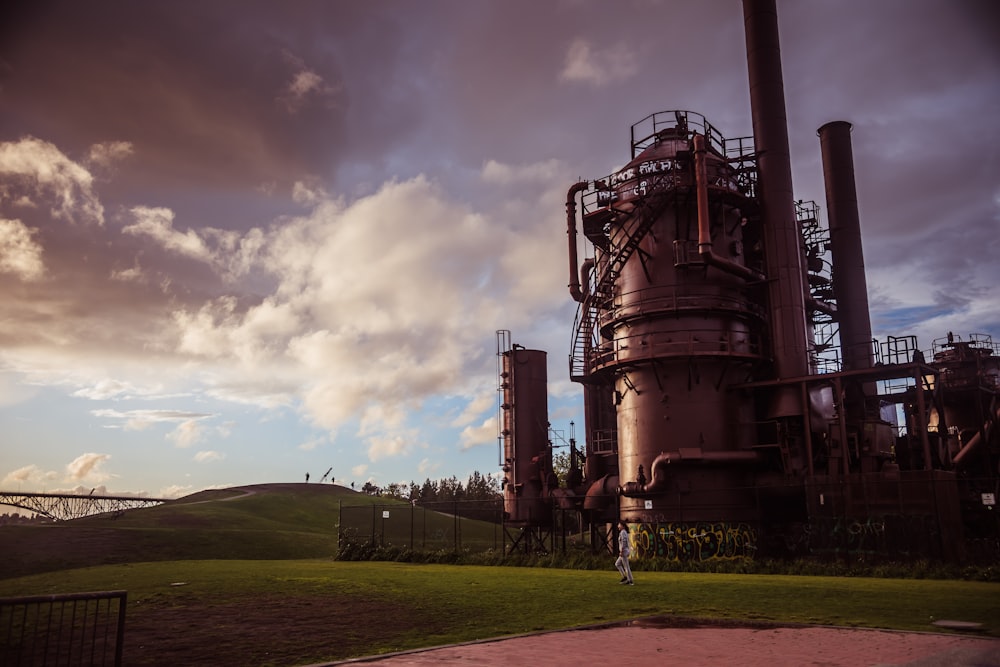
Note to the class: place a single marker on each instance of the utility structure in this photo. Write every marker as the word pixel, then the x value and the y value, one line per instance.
pixel 735 401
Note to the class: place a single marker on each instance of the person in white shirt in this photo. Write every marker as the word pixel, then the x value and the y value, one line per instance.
pixel 624 551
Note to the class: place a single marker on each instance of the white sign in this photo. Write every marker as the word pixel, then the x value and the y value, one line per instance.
pixel 385 514
pixel 648 504
pixel 989 499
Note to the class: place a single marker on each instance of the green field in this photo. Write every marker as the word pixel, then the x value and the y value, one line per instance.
pixel 290 602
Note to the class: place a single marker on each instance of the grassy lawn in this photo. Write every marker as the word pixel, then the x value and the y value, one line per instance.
pixel 245 576
pixel 302 611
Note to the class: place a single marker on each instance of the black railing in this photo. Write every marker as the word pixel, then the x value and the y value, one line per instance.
pixel 68 629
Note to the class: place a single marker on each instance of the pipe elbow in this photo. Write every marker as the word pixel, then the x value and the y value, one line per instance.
pixel 658 477
pixel 574 281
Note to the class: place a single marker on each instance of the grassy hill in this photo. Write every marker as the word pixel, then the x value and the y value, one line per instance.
pixel 256 522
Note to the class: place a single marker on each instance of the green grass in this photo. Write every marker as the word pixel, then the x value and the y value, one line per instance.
pixel 270 521
pixel 463 603
pixel 251 576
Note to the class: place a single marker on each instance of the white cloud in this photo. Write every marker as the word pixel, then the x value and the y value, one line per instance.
pixel 19 253
pixel 36 172
pixel 88 467
pixel 426 467
pixel 476 436
pixel 538 172
pixel 485 400
pixel 105 389
pixel 208 456
pixel 598 67
pixel 28 474
pixel 187 434
pixel 311 444
pixel 158 224
pixel 304 86
pixel 390 444
pixel 359 470
pixel 106 154
pixel 175 491
pixel 139 420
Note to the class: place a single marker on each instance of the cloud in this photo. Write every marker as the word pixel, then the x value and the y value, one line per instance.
pixel 88 467
pixel 427 467
pixel 175 491
pixel 476 436
pixel 598 67
pixel 105 389
pixel 306 85
pixel 311 444
pixel 481 403
pixel 208 456
pixel 187 432
pixel 158 224
pixel 106 155
pixel 19 253
pixel 359 470
pixel 28 474
pixel 505 174
pixel 391 444
pixel 37 173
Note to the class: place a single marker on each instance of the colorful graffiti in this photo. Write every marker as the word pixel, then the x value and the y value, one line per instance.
pixel 698 541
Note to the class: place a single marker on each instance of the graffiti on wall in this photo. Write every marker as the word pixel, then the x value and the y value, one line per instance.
pixel 696 541
pixel 887 535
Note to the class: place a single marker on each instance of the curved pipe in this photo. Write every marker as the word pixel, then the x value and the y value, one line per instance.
pixel 704 232
pixel 658 470
pixel 600 493
pixel 574 280
pixel 822 306
pixel 973 442
pixel 585 269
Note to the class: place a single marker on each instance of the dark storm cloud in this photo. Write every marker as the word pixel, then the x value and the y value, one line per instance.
pixel 208 93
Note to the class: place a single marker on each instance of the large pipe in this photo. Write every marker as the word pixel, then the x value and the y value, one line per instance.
pixel 704 227
pixel 974 442
pixel 849 285
pixel 782 242
pixel 574 279
pixel 658 469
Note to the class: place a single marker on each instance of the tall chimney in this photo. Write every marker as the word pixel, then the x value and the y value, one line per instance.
pixel 782 240
pixel 849 285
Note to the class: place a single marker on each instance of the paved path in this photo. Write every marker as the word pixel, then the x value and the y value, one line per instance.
pixel 649 642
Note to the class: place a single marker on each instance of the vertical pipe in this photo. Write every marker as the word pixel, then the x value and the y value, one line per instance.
pixel 574 280
pixel 922 417
pixel 849 285
pixel 808 430
pixel 782 241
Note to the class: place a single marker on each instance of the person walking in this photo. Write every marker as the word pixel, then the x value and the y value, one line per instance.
pixel 624 551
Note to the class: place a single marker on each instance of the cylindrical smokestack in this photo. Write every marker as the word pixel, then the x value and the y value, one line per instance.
pixel 849 285
pixel 782 241
pixel 525 434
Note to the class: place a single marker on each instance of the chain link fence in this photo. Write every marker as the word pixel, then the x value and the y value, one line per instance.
pixel 916 515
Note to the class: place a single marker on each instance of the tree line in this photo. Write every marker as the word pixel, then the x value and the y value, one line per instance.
pixel 478 487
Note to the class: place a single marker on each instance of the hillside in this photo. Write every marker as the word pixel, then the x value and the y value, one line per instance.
pixel 262 521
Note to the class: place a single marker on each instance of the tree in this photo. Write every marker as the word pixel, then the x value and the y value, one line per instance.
pixel 395 490
pixel 428 491
pixel 480 487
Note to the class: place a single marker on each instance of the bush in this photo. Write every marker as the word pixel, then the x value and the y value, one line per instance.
pixel 354 549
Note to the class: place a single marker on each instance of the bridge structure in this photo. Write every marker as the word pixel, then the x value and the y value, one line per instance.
pixel 66 506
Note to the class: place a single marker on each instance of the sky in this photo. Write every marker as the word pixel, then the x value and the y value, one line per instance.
pixel 241 241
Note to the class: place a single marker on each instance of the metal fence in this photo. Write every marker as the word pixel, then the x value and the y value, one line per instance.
pixel 909 516
pixel 62 630
pixel 472 525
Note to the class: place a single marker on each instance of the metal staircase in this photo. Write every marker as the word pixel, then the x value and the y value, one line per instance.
pixel 641 213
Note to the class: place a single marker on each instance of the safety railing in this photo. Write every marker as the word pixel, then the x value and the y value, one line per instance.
pixel 66 629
